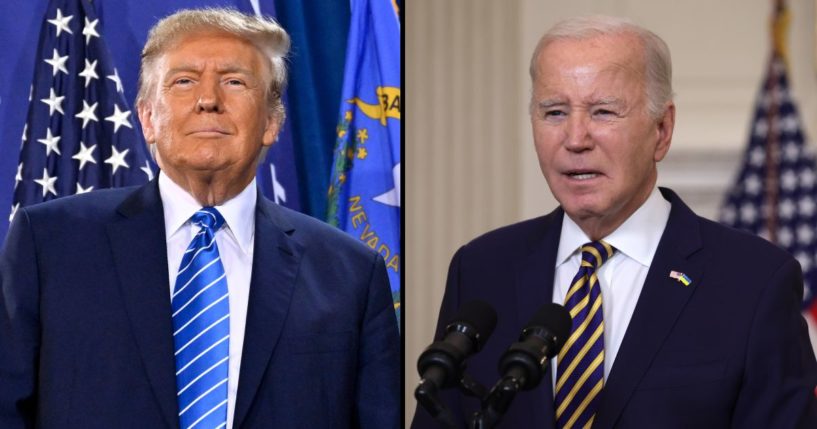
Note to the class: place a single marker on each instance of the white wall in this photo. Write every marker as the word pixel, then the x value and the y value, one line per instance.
pixel 470 162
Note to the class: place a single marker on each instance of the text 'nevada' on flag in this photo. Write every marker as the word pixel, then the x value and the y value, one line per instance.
pixel 79 134
pixel 364 192
pixel 775 194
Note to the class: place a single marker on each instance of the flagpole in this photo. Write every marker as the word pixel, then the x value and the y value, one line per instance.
pixel 779 27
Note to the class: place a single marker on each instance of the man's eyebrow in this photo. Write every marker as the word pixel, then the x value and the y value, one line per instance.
pixel 551 102
pixel 606 101
pixel 227 68
pixel 182 68
pixel 231 68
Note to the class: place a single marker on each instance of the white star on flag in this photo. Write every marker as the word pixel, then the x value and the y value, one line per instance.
pixel 147 170
pixel 57 63
pixel 789 124
pixel 89 31
pixel 392 196
pixel 47 182
pixel 761 128
pixel 19 177
pixel 53 102
pixel 788 180
pixel 279 193
pixel 119 118
pixel 89 72
pixel 81 190
pixel 807 178
pixel 117 159
pixel 753 185
pixel 61 23
pixel 757 156
pixel 50 142
pixel 787 209
pixel 748 213
pixel 88 113
pixel 806 206
pixel 85 154
pixel 115 77
pixel 785 236
pixel 13 211
pixel 805 235
pixel 791 151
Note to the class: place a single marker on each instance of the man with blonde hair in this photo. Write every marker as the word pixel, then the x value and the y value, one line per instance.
pixel 193 301
pixel 676 321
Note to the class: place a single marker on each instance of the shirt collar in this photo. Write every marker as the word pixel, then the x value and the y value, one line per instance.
pixel 637 237
pixel 238 212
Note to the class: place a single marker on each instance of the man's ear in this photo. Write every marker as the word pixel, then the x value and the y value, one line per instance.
pixel 664 128
pixel 145 112
pixel 271 130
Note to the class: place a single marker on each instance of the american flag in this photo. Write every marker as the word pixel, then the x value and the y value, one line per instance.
pixel 775 195
pixel 79 133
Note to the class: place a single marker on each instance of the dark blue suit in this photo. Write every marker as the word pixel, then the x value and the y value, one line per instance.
pixel 729 350
pixel 85 327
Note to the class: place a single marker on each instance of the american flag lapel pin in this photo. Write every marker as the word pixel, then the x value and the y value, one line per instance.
pixel 681 277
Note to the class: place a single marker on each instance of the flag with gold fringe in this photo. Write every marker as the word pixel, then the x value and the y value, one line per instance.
pixel 775 194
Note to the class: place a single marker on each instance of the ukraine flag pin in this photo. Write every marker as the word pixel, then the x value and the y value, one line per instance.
pixel 681 277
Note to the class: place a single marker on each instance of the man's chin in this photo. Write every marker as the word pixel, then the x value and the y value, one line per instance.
pixel 203 162
pixel 583 205
pixel 200 169
pixel 585 211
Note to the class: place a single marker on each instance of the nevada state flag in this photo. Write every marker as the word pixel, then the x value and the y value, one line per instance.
pixel 364 194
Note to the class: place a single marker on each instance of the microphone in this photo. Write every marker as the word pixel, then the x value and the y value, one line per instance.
pixel 441 364
pixel 524 363
pixel 543 337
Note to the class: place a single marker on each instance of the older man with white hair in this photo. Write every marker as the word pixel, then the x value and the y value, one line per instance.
pixel 676 321
pixel 193 301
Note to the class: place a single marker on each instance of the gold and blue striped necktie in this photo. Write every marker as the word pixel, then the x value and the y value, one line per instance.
pixel 581 360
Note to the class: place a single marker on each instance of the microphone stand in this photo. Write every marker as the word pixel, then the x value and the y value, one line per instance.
pixel 427 396
pixel 523 368
pixel 496 404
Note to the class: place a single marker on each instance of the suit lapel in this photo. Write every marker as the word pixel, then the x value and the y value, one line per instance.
pixel 276 260
pixel 139 251
pixel 535 288
pixel 661 302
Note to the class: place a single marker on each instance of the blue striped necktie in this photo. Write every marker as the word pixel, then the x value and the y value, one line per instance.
pixel 581 360
pixel 201 328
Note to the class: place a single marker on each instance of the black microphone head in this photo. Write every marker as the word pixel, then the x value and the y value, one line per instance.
pixel 545 334
pixel 555 319
pixel 477 319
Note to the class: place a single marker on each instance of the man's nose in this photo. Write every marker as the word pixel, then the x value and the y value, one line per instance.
pixel 209 98
pixel 578 138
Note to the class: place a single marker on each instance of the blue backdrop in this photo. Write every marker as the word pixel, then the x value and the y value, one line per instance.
pixel 316 63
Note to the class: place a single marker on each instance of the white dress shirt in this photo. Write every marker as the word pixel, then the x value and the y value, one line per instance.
pixel 235 246
pixel 622 276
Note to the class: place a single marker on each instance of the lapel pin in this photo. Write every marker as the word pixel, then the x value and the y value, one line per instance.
pixel 681 277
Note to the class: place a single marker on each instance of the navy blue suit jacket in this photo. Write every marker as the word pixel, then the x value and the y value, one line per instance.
pixel 85 327
pixel 729 350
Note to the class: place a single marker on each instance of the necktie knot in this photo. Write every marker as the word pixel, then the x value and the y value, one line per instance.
pixel 209 218
pixel 596 253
